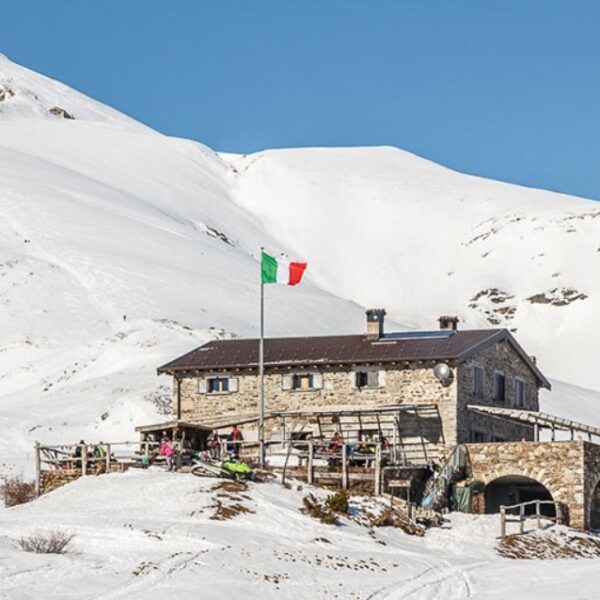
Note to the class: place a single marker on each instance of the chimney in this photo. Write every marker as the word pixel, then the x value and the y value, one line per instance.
pixel 448 322
pixel 375 318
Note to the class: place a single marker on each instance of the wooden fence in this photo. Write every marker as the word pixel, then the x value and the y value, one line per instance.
pixel 55 465
pixel 522 516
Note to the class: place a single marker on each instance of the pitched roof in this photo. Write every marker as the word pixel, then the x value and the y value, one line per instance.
pixel 344 350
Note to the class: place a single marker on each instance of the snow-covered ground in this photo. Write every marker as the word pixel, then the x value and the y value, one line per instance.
pixel 149 535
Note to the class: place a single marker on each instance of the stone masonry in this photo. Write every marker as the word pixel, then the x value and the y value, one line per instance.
pixel 569 470
pixel 500 358
pixel 412 383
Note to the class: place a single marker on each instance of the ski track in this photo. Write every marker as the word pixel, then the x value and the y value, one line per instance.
pixel 437 582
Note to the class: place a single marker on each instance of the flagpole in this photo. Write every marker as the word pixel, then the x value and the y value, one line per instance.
pixel 261 371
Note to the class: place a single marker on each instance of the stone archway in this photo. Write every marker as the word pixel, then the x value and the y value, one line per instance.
pixel 514 489
pixel 594 507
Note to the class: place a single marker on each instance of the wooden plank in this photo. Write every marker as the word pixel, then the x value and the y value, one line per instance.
pixel 344 465
pixel 38 470
pixel 399 483
pixel 309 472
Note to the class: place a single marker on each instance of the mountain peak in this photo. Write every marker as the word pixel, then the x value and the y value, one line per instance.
pixel 27 95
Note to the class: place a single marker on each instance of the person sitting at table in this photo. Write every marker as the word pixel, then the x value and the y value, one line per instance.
pixel 337 440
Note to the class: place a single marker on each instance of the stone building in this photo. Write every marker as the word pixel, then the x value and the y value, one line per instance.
pixel 431 390
pixel 447 369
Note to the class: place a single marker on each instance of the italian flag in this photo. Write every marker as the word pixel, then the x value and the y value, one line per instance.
pixel 281 270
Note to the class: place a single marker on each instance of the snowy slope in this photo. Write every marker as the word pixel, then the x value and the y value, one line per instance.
pixel 149 535
pixel 385 227
pixel 119 249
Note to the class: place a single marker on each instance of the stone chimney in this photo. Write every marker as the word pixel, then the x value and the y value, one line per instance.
pixel 375 318
pixel 448 322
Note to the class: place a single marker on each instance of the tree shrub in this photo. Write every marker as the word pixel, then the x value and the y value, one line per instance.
pixel 49 542
pixel 16 491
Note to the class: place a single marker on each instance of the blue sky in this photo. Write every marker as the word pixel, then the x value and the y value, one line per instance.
pixel 508 89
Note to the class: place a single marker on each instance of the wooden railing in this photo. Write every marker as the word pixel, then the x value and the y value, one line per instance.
pixel 84 459
pixel 522 516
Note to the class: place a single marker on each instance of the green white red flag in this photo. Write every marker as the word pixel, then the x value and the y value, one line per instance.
pixel 281 270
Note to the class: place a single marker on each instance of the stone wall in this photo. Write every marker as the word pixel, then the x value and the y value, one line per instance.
pixel 558 466
pixel 592 484
pixel 503 358
pixel 412 385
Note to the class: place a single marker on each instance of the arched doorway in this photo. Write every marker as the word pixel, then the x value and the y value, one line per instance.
pixel 595 508
pixel 513 489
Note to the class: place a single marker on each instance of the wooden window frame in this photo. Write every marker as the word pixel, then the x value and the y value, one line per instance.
pixel 496 399
pixel 232 388
pixel 516 403
pixel 367 372
pixel 477 367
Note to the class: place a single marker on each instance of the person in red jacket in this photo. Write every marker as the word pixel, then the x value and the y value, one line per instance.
pixel 236 438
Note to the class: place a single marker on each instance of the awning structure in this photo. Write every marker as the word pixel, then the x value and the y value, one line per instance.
pixel 170 425
pixel 537 419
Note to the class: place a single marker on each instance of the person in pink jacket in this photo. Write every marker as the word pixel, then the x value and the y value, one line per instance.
pixel 167 450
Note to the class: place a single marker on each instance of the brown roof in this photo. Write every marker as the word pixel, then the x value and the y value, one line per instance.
pixel 344 350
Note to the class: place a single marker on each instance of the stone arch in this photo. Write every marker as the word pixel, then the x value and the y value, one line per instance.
pixel 516 488
pixel 594 506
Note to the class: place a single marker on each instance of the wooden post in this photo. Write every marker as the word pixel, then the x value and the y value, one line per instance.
pixel 537 514
pixel 521 519
pixel 502 521
pixel 553 432
pixel 345 466
pixel 536 432
pixel 108 458
pixel 38 470
pixel 378 470
pixel 309 462
pixel 83 459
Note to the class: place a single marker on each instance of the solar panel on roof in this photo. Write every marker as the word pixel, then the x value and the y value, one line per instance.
pixel 418 335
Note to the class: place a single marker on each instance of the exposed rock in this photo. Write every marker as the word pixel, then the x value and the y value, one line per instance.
pixel 557 297
pixel 496 305
pixel 61 112
pixel 5 92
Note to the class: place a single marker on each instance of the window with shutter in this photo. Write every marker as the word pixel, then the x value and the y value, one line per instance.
pixel 499 388
pixel 217 385
pixel 202 386
pixel 519 393
pixel 303 381
pixel 478 382
pixel 367 379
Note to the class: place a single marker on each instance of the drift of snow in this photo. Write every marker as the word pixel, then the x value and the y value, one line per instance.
pixel 151 535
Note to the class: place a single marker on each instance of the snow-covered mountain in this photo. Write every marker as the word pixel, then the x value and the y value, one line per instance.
pixel 121 247
pixel 385 227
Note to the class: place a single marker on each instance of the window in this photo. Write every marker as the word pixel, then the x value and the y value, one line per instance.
pixel 499 388
pixel 366 379
pixel 478 382
pixel 300 382
pixel 519 393
pixel 218 385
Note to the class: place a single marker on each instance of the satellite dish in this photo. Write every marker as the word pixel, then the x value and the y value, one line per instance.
pixel 442 372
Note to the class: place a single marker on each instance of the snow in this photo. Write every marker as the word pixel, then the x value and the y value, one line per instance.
pixel 159 526
pixel 387 228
